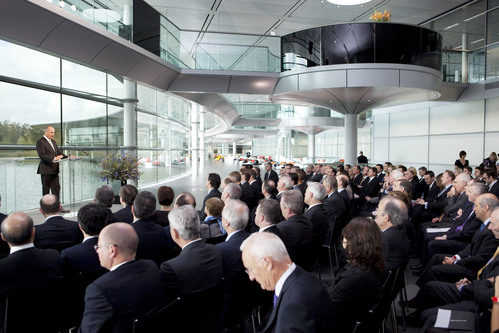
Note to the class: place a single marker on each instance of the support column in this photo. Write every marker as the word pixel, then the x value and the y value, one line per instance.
pixel 130 120
pixel 202 152
pixel 194 139
pixel 225 150
pixel 464 58
pixel 284 145
pixel 234 148
pixel 350 139
pixel 311 147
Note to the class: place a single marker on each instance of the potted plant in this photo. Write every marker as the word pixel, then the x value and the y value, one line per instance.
pixel 117 169
pixel 381 16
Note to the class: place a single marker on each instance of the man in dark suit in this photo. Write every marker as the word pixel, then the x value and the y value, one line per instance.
pixel 302 181
pixel 333 204
pixel 316 213
pixel 127 196
pixel 361 159
pixel 309 170
pixel 430 209
pixel 490 178
pixel 343 181
pixel 131 289
pixel 4 247
pixel 269 189
pixel 27 269
pixel 270 174
pixel 199 266
pixel 248 195
pixel 212 184
pixel 467 262
pixel 356 178
pixel 55 232
pixel 301 302
pixel 391 215
pixel 256 186
pixel 82 258
pixel 317 176
pixel 50 155
pixel 285 184
pixel 297 230
pixel 153 241
pixel 104 196
pixel 267 215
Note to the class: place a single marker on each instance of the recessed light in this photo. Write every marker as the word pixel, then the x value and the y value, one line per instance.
pixel 451 26
pixel 478 40
pixel 62 4
pixel 272 32
pixel 73 8
pixel 348 2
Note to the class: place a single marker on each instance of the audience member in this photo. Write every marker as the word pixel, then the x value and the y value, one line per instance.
pixel 490 178
pixel 212 226
pixel 268 214
pixel 212 184
pixel 285 184
pixel 269 189
pixel 316 214
pixel 165 200
pixel 104 195
pixel 55 232
pixel 232 192
pixel 4 247
pixel 127 196
pixel 270 173
pixel 333 203
pixel 317 176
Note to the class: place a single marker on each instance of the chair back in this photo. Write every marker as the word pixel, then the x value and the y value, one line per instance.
pixel 158 320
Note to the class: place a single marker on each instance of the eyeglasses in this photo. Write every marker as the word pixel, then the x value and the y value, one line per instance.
pixel 96 247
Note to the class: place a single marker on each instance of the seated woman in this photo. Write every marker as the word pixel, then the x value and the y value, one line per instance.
pixel 212 227
pixel 357 286
pixel 165 199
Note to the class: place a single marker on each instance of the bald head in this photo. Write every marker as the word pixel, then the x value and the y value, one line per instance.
pixel 123 236
pixel 17 229
pixel 49 132
pixel 484 205
pixel 50 204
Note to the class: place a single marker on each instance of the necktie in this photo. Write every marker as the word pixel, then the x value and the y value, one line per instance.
pixel 51 145
pixel 481 269
pixel 469 218
pixel 275 299
pixel 482 227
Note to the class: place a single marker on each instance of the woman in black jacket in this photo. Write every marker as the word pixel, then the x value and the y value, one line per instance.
pixel 357 286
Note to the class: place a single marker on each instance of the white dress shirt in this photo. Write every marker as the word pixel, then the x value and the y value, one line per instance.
pixel 21 247
pixel 283 278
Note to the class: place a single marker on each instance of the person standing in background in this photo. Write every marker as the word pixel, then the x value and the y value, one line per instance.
pixel 50 155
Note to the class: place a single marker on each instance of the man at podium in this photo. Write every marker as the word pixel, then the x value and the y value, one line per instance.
pixel 50 155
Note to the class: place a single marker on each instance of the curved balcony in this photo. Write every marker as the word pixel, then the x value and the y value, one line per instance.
pixel 360 43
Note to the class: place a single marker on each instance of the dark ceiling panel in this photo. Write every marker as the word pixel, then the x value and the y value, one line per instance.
pixel 146 71
pixel 117 58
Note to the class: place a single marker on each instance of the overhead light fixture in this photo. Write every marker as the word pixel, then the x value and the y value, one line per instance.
pixel 473 17
pixel 49 1
pixel 451 26
pixel 73 8
pixel 348 2
pixel 272 32
pixel 477 41
pixel 62 4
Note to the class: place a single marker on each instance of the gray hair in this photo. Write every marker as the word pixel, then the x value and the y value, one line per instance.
pixel 185 219
pixel 236 213
pixel 331 182
pixel 234 190
pixel 396 209
pixel 144 205
pixel 270 210
pixel 265 244
pixel 488 199
pixel 105 195
pixel 463 177
pixel 317 189
pixel 396 174
pixel 287 181
pixel 292 199
pixel 479 188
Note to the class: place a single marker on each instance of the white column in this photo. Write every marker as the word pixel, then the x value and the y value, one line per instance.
pixel 130 120
pixel 350 139
pixel 202 153
pixel 194 138
pixel 225 150
pixel 311 147
pixel 464 58
pixel 234 148
pixel 284 145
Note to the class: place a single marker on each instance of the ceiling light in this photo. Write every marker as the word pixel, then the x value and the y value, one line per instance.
pixel 473 17
pixel 272 32
pixel 478 40
pixel 73 8
pixel 62 4
pixel 451 26
pixel 49 1
pixel 348 2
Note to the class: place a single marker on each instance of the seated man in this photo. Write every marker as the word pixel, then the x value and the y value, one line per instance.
pixel 27 270
pixel 267 215
pixel 297 230
pixel 232 191
pixel 127 196
pixel 268 189
pixel 153 241
pixel 104 195
pixel 426 210
pixel 466 263
pixel 316 214
pixel 301 302
pixel 56 232
pixel 131 289
pixel 333 203
pixel 391 215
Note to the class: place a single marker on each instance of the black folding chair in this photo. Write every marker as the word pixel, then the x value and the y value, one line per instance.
pixel 158 320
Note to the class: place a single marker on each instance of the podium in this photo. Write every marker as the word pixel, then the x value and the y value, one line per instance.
pixel 75 181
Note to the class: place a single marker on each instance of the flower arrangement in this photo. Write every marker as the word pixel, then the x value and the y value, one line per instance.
pixel 120 167
pixel 381 16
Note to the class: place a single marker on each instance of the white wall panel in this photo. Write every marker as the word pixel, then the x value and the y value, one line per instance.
pixel 491 144
pixel 439 168
pixel 381 123
pixel 412 122
pixel 492 115
pixel 409 150
pixel 444 149
pixel 380 148
pixel 457 118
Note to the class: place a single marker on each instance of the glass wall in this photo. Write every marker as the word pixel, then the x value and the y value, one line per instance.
pixel 85 108
pixel 432 135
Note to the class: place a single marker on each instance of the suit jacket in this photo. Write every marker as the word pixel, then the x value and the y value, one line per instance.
pixel 273 229
pixel 124 215
pixel 198 267
pixel 370 189
pixel 302 188
pixel 381 179
pixel 298 236
pixel 356 181
pixel 303 306
pixel 438 204
pixel 395 247
pixel 464 227
pixel 454 203
pixel 317 177
pixel 353 292
pixel 111 218
pixel 320 222
pixel 131 291
pixel 214 193
pixel 272 175
pixel 348 205
pixel 361 159
pixel 479 251
pixel 4 247
pixel 432 192
pixel 153 241
pixel 495 189
pixel 420 189
pixel 46 155
pixel 82 258
pixel 334 205
pixel 248 195
pixel 257 190
pixel 57 233
pixel 231 254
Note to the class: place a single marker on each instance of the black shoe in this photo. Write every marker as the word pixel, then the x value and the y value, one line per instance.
pixel 416 267
pixel 65 211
